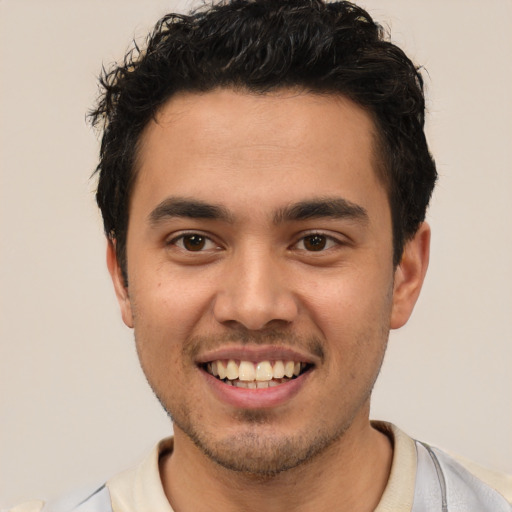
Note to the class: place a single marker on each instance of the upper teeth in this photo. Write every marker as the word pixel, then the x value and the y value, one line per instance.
pixel 249 371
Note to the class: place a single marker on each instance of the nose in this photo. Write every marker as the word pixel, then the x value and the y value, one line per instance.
pixel 255 292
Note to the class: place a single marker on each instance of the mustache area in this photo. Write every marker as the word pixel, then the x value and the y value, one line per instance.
pixel 195 345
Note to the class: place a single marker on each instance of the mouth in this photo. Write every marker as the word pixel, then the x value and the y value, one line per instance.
pixel 255 374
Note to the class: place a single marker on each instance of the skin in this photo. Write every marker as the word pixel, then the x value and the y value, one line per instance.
pixel 256 285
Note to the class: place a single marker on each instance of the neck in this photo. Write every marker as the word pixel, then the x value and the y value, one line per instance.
pixel 350 475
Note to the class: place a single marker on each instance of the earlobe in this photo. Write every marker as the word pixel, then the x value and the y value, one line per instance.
pixel 119 284
pixel 409 276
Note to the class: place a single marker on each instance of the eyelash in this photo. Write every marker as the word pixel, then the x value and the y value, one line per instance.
pixel 183 236
pixel 328 241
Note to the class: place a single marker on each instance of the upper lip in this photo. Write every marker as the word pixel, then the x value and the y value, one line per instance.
pixel 257 353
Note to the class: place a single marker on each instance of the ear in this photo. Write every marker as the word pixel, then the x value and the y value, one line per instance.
pixel 409 276
pixel 119 286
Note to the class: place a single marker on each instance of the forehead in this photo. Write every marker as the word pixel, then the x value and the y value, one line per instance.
pixel 253 145
pixel 243 117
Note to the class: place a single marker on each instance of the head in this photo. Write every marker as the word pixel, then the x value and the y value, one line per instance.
pixel 260 47
pixel 263 180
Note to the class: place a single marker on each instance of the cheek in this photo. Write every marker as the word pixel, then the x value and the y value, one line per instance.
pixel 161 325
pixel 167 300
pixel 348 295
pixel 351 306
pixel 167 312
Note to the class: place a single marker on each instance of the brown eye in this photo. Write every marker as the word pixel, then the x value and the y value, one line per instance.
pixel 193 242
pixel 315 242
pixel 189 243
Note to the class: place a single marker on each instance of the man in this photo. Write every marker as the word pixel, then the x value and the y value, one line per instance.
pixel 264 178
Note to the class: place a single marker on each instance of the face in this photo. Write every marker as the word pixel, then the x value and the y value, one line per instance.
pixel 261 285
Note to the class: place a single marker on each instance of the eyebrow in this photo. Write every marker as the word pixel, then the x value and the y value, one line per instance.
pixel 188 208
pixel 335 208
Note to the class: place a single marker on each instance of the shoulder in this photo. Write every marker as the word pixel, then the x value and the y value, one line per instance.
pixel 502 482
pixel 474 475
pixel 91 500
pixel 122 492
pixel 440 477
pixel 427 478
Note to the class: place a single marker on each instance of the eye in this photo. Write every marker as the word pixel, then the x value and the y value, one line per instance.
pixel 194 242
pixel 316 242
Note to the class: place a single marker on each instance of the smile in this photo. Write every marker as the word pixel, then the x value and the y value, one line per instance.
pixel 255 375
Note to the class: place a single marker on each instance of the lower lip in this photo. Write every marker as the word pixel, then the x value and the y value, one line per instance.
pixel 262 398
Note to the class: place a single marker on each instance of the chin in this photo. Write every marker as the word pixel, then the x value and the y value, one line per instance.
pixel 258 450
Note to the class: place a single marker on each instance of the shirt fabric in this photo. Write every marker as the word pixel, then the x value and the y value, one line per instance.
pixel 140 489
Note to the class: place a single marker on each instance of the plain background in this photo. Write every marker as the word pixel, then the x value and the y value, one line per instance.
pixel 75 407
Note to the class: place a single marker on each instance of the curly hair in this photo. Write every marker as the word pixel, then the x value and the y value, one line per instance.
pixel 261 46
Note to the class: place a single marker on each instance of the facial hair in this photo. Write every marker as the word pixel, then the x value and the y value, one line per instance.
pixel 254 448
